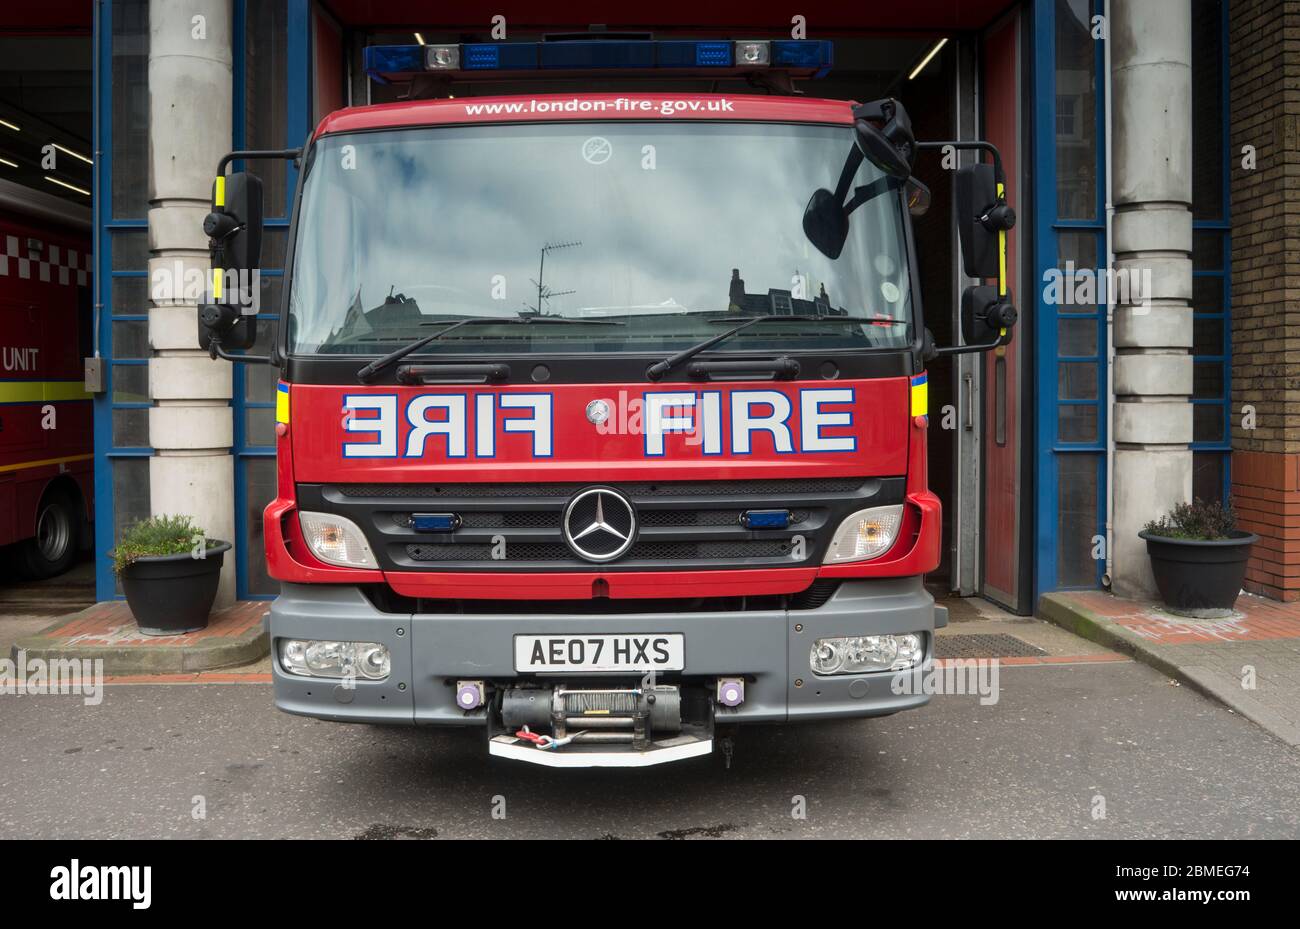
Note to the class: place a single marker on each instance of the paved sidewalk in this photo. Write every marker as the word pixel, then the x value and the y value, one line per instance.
pixel 234 636
pixel 1250 663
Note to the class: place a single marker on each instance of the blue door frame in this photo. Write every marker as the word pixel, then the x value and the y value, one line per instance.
pixel 298 127
pixel 1048 227
pixel 106 282
pixel 110 274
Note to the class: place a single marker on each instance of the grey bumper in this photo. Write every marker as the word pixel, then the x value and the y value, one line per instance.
pixel 430 652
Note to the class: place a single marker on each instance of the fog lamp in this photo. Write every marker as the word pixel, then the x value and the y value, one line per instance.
pixel 858 654
pixel 323 658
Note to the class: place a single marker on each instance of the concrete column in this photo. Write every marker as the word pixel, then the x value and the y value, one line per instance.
pixel 1151 100
pixel 190 426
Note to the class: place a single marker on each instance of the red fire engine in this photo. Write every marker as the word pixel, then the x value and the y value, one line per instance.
pixel 46 437
pixel 602 421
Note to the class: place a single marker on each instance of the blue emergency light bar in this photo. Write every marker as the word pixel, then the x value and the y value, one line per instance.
pixel 799 57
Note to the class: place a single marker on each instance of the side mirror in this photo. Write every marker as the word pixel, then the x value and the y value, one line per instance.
pixel 240 222
pixel 826 219
pixel 984 315
pixel 883 132
pixel 234 230
pixel 826 223
pixel 981 215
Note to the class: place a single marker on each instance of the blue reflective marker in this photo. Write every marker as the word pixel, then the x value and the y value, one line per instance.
pixel 765 519
pixel 435 522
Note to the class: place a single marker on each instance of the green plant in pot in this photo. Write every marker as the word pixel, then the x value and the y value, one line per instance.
pixel 169 570
pixel 1198 557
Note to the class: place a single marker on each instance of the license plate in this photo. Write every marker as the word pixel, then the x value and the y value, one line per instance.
pixel 647 652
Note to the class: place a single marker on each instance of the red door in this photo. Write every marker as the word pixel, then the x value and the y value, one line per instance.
pixel 1005 571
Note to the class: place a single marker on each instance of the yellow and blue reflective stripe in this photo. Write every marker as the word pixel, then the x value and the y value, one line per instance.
pixel 921 395
pixel 282 403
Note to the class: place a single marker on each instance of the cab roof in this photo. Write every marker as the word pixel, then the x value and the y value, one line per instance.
pixel 526 108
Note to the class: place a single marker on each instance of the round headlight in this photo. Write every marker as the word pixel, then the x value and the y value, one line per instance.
pixel 827 657
pixel 373 662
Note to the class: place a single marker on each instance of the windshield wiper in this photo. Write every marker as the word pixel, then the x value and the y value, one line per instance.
pixel 660 368
pixel 367 373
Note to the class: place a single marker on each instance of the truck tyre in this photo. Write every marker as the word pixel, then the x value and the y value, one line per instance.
pixel 53 548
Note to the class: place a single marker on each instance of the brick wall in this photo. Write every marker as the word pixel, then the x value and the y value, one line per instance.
pixel 1264 62
pixel 1266 491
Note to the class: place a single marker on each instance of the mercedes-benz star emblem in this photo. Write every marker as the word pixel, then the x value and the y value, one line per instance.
pixel 597 412
pixel 599 524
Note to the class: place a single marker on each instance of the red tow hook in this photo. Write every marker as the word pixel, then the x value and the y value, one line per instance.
pixel 533 737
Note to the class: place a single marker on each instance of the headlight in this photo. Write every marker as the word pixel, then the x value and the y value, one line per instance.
pixel 865 535
pixel 337 541
pixel 857 654
pixel 312 658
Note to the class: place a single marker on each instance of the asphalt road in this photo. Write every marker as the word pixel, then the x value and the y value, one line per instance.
pixel 1168 763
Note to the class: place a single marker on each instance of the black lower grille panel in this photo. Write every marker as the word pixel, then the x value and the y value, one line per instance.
pixel 680 525
pixel 702 489
pixel 550 519
pixel 640 551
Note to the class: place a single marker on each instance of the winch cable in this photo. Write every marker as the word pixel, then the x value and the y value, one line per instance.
pixel 546 742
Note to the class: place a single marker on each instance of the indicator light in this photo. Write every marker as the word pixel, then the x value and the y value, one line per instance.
pixel 865 535
pixel 336 540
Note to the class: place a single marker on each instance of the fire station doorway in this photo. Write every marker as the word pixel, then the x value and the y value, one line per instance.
pixel 47 433
pixel 937 75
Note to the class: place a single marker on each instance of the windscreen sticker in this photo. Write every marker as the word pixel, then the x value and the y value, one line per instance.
pixel 619 105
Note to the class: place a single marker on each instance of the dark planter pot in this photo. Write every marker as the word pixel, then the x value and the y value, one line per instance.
pixel 173 594
pixel 1193 575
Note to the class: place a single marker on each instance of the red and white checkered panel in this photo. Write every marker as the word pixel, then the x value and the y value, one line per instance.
pixel 65 265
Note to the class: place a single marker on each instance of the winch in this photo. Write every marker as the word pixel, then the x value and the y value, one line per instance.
pixel 596 714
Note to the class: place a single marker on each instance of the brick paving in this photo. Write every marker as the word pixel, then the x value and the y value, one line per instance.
pixel 108 631
pixel 1250 662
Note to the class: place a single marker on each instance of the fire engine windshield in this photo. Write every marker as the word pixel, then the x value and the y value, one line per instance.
pixel 646 237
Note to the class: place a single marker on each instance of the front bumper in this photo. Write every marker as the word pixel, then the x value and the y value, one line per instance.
pixel 430 652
